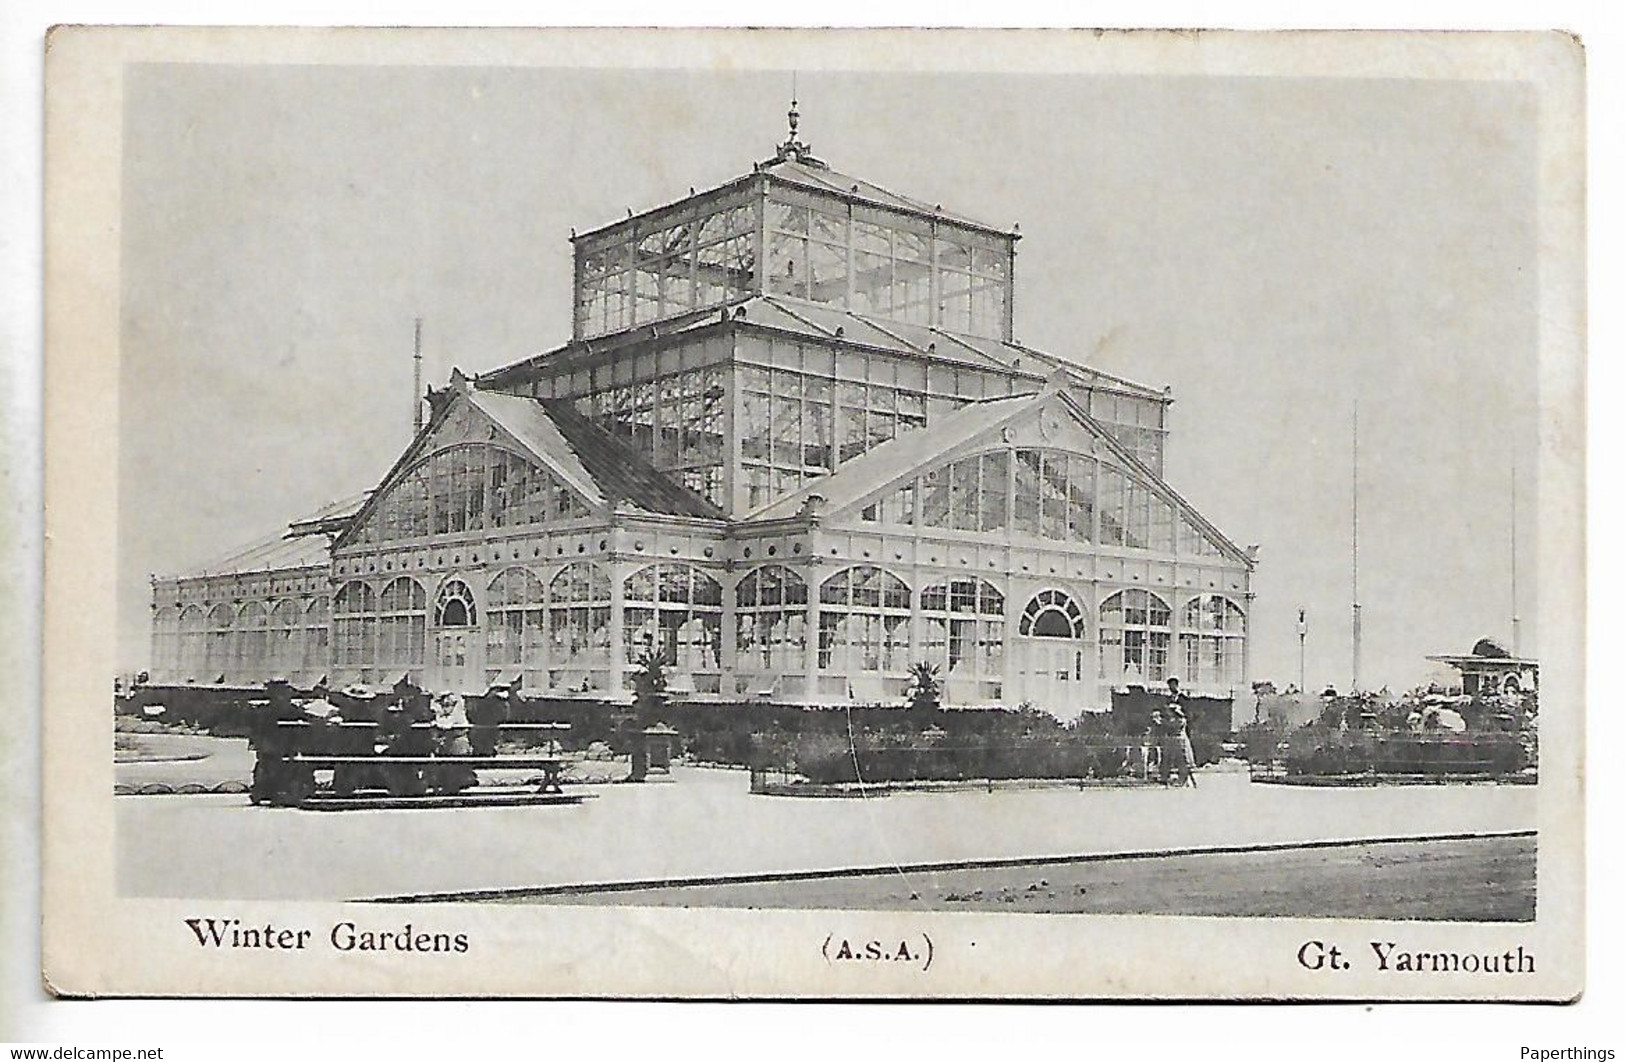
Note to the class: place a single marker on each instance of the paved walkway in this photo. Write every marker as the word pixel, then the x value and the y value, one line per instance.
pixel 706 822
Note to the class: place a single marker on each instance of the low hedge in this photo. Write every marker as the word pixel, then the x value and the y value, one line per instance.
pixel 893 742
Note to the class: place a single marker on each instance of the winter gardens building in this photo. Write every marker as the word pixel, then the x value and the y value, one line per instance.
pixel 791 442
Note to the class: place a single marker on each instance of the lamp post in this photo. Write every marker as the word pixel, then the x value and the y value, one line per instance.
pixel 1303 634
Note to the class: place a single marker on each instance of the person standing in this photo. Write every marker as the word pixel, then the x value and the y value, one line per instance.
pixel 451 739
pixel 1178 757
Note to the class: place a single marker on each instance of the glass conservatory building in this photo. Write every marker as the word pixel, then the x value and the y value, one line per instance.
pixel 793 445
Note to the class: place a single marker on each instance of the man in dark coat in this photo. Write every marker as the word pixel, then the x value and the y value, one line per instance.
pixel 276 780
pixel 485 717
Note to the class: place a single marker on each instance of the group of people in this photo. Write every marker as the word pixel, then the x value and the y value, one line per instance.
pixel 405 721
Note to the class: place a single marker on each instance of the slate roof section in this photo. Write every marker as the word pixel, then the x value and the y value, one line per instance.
pixel 597 464
pixel 527 421
pixel 622 472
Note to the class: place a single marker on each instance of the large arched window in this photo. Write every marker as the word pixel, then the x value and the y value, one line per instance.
pixel 470 487
pixel 285 633
pixel 218 653
pixel 771 605
pixel 964 628
pixel 863 622
pixel 514 605
pixel 578 602
pixel 250 650
pixel 675 609
pixel 194 626
pixel 1051 614
pixel 1213 629
pixel 355 630
pixel 402 617
pixel 1135 632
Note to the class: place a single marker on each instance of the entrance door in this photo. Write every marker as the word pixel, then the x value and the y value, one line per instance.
pixel 1051 674
pixel 1050 655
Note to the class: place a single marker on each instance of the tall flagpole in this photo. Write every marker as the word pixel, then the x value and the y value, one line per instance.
pixel 417 376
pixel 1354 557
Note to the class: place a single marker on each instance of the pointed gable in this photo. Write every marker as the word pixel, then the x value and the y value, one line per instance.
pixel 1050 422
pixel 490 459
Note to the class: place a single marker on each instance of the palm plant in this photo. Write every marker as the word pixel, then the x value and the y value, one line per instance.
pixel 925 689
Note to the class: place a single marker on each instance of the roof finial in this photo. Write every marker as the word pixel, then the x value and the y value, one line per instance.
pixel 793 149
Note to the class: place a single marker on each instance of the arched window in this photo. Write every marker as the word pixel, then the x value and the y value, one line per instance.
pixel 470 487
pixel 675 609
pixel 218 654
pixel 1051 614
pixel 863 622
pixel 514 605
pixel 355 632
pixel 454 605
pixel 194 627
pixel 285 633
pixel 250 650
pixel 964 628
pixel 1135 632
pixel 402 616
pixel 315 649
pixel 578 600
pixel 1214 630
pixel 771 605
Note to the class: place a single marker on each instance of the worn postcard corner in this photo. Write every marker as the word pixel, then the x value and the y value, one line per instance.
pixel 843 514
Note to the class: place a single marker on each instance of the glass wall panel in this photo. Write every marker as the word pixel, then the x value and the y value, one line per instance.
pixel 515 632
pixel 286 632
pixel 316 647
pixel 1136 423
pixel 964 628
pixel 249 649
pixel 578 605
pixel 1213 630
pixel 797 425
pixel 670 264
pixel 355 608
pixel 469 487
pixel 1046 494
pixel 676 422
pixel 402 618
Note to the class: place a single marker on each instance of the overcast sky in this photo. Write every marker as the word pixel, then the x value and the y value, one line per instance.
pixel 1272 249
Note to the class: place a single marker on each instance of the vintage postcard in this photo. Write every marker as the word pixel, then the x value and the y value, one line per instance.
pixel 845 514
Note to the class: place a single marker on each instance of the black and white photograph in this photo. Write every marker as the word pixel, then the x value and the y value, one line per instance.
pixel 1127 489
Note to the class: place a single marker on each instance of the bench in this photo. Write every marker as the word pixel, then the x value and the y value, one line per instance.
pixel 411 788
pixel 550 766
